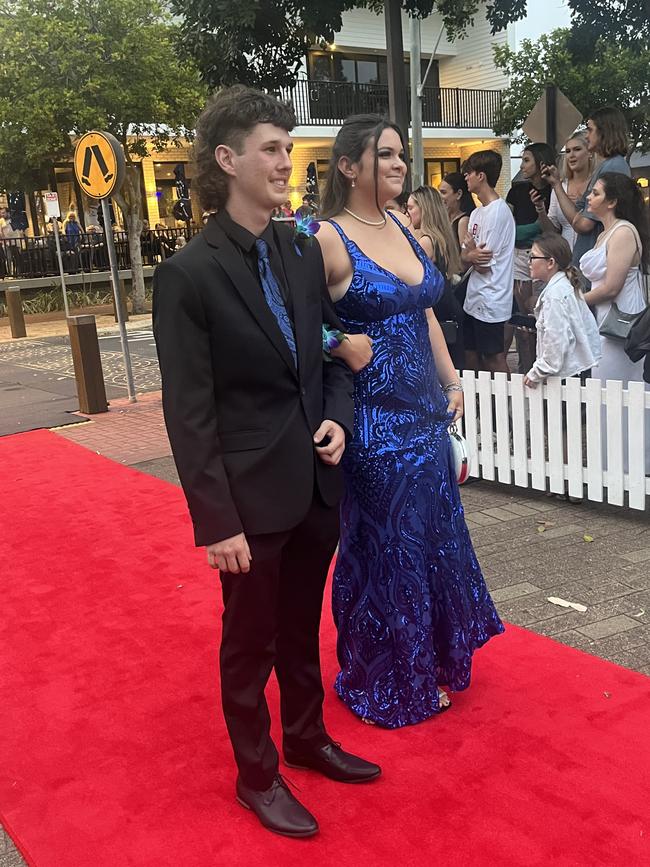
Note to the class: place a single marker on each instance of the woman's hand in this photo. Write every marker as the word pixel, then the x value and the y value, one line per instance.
pixel 551 174
pixel 529 382
pixel 456 404
pixel 538 201
pixel 355 351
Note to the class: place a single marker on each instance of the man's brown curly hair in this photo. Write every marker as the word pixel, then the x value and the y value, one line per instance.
pixel 227 119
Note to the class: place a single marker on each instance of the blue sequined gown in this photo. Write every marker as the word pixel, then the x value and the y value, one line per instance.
pixel 410 603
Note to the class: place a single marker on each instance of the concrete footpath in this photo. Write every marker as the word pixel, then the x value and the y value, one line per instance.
pixel 37 385
pixel 531 547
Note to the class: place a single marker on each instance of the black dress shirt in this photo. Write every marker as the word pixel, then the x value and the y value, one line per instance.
pixel 245 243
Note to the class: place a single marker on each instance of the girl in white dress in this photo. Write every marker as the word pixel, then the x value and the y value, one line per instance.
pixel 614 266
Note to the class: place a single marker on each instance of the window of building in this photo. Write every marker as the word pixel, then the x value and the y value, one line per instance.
pixel 436 169
pixel 322 171
pixel 167 194
pixel 359 68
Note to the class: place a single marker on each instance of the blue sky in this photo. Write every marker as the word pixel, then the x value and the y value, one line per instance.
pixel 543 16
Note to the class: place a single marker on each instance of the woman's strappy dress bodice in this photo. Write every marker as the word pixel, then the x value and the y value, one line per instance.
pixel 393 314
pixel 409 599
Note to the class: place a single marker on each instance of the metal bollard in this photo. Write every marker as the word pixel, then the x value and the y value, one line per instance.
pixel 15 311
pixel 123 302
pixel 87 364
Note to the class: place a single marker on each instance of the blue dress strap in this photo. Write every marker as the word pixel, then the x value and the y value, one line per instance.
pixel 350 246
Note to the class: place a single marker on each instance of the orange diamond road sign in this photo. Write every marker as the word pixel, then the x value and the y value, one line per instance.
pixel 99 164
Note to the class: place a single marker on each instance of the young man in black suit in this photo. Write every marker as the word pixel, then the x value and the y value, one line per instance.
pixel 258 421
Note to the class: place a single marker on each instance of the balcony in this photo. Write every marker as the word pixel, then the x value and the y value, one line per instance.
pixel 328 103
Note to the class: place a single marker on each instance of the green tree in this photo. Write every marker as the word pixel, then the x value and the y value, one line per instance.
pixel 624 21
pixel 614 73
pixel 264 42
pixel 74 65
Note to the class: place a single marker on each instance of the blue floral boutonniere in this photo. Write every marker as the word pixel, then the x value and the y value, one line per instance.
pixel 305 229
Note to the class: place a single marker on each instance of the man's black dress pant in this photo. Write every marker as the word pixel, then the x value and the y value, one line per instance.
pixel 271 620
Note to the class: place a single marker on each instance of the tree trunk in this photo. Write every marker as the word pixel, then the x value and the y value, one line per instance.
pixel 129 200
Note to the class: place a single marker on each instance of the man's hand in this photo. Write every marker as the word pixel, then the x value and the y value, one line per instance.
pixel 332 449
pixel 355 351
pixel 529 383
pixel 479 256
pixel 230 555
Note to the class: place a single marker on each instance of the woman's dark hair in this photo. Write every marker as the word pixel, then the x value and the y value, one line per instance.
pixel 351 141
pixel 612 131
pixel 457 182
pixel 227 119
pixel 556 247
pixel 629 206
pixel 541 153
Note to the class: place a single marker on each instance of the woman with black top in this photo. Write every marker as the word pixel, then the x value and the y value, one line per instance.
pixel 458 202
pixel 525 211
pixel 435 235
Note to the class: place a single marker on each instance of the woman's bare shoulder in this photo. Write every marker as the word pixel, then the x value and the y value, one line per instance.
pixel 328 238
pixel 427 245
pixel 403 219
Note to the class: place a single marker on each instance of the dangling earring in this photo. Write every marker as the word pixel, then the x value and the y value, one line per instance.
pixel 354 183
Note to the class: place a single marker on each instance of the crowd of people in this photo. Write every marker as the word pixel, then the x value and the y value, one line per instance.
pixel 301 371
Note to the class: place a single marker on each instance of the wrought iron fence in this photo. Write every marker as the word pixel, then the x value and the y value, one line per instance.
pixel 328 103
pixel 27 258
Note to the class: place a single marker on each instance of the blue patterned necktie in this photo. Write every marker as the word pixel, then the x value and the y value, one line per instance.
pixel 273 296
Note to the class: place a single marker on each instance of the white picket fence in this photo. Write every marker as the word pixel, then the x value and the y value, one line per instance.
pixel 514 435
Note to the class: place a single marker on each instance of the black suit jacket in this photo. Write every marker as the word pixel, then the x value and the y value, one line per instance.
pixel 240 417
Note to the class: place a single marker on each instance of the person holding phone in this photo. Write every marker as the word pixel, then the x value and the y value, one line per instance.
pixel 525 210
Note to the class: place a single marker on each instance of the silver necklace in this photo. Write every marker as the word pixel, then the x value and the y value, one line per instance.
pixel 381 222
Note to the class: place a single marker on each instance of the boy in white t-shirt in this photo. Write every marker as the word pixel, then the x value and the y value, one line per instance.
pixel 489 247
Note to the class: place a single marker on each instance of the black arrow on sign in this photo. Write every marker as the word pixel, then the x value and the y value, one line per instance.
pixel 94 150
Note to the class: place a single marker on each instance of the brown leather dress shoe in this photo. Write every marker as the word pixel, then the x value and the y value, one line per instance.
pixel 334 763
pixel 277 809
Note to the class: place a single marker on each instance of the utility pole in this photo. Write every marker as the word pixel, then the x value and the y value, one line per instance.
pixel 551 115
pixel 416 106
pixel 397 102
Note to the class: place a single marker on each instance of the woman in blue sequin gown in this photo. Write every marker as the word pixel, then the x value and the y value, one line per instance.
pixel 410 603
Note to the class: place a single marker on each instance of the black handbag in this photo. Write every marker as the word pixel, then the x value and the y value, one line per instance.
pixel 637 342
pixel 617 325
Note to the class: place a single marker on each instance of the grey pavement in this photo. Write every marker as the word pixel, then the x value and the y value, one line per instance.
pixel 37 384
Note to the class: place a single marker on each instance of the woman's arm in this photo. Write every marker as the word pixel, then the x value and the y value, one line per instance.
pixel 355 349
pixel 581 224
pixel 621 251
pixel 543 218
pixel 462 227
pixel 427 245
pixel 444 365
pixel 556 341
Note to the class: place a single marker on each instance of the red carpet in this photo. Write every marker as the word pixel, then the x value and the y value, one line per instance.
pixel 112 745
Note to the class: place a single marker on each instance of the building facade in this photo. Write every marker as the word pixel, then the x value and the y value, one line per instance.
pixel 462 94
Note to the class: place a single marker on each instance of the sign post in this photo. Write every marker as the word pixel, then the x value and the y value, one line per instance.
pixel 99 167
pixel 552 119
pixel 53 210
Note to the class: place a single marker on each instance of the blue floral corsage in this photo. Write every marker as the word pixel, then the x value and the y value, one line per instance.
pixel 304 230
pixel 332 339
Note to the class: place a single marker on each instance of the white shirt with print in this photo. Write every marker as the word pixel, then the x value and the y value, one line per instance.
pixel 489 295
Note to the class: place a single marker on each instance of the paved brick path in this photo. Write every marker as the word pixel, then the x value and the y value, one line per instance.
pixel 128 433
